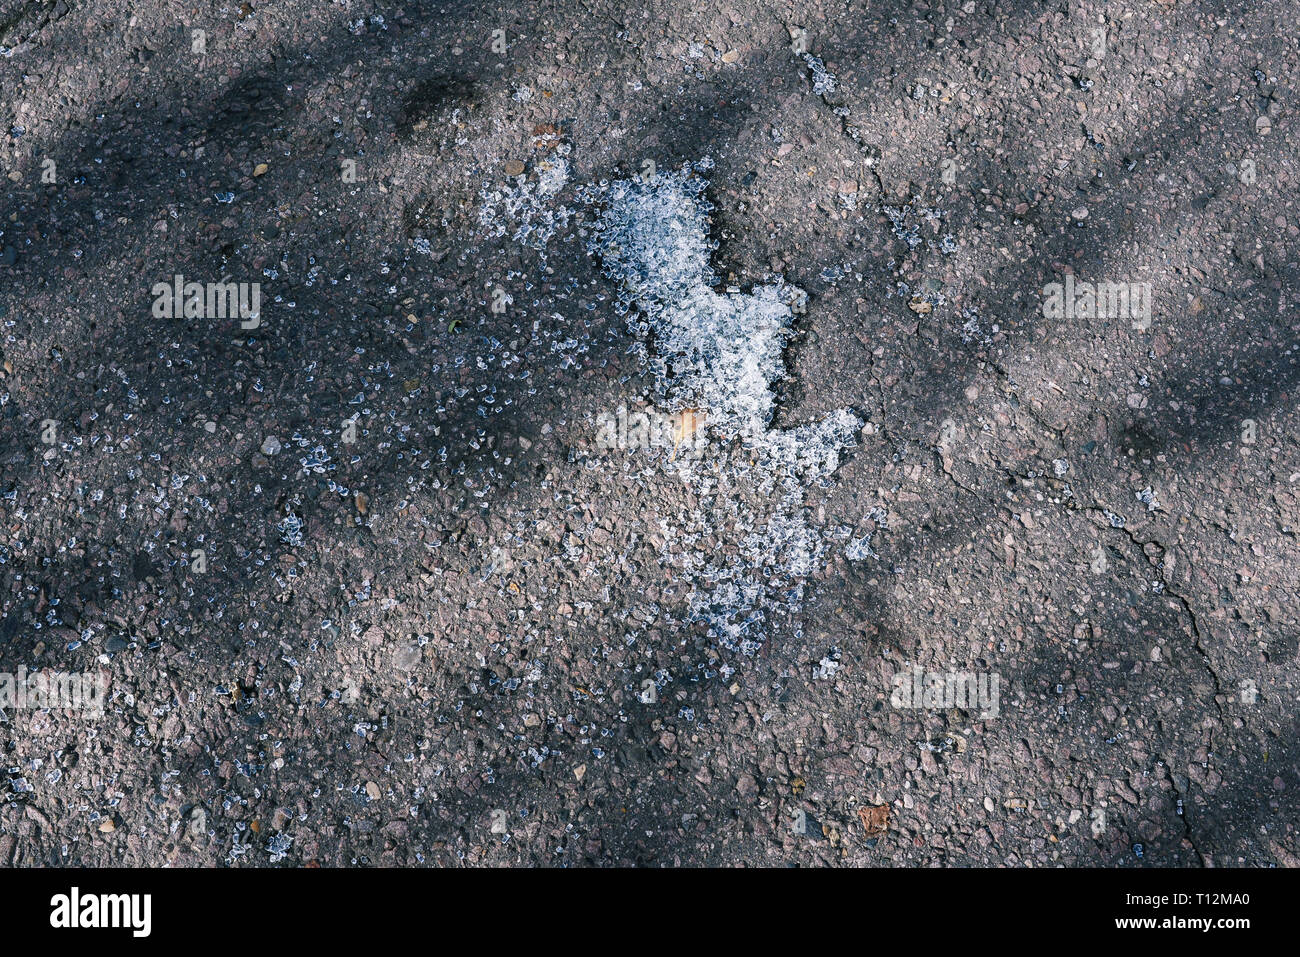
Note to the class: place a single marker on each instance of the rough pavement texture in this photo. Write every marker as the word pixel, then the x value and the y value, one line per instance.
pixel 435 620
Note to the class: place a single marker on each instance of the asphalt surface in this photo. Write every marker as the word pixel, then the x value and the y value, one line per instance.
pixel 386 571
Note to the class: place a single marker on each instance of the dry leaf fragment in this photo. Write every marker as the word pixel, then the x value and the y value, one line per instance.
pixel 875 820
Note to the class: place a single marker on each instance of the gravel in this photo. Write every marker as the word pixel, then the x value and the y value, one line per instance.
pixel 366 588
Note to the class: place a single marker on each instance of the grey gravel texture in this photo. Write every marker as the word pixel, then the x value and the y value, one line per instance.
pixel 366 583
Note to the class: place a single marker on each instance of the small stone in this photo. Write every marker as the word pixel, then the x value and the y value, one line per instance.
pixel 270 445
pixel 747 787
pixel 1080 212
pixel 372 790
pixel 514 168
pixel 408 657
pixel 260 169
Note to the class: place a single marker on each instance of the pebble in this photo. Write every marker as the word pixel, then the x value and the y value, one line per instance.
pixel 408 657
pixel 198 825
pixel 270 445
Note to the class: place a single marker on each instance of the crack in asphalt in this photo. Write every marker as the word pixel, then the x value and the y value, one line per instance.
pixel 1198 637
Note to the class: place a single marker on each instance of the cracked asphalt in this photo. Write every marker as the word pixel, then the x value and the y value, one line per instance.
pixel 367 583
